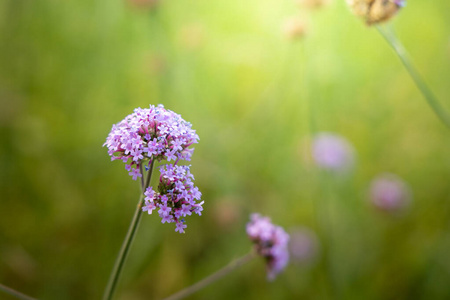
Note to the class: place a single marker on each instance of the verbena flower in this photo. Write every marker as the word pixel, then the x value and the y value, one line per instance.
pixel 271 242
pixel 176 198
pixel 332 152
pixel 150 133
pixel 390 193
pixel 376 11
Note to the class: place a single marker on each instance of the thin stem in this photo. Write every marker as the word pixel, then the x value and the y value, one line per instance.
pixel 142 178
pixel 395 43
pixel 121 258
pixel 213 277
pixel 150 172
pixel 15 293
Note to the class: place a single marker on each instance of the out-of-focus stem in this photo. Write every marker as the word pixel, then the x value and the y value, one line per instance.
pixel 213 277
pixel 318 181
pixel 395 43
pixel 15 293
pixel 121 258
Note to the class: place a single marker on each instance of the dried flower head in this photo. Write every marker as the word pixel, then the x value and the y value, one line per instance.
pixel 294 28
pixel 151 133
pixel 176 198
pixel 271 242
pixel 390 193
pixel 332 152
pixel 376 11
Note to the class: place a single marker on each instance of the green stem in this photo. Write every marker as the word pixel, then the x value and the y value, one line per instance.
pixel 213 277
pixel 395 43
pixel 121 258
pixel 15 293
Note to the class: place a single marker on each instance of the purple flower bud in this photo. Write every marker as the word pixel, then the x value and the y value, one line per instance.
pixel 390 193
pixel 332 152
pixel 270 242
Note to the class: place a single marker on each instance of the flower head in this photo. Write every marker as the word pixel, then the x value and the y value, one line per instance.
pixel 150 133
pixel 390 193
pixel 270 242
pixel 332 152
pixel 376 11
pixel 176 198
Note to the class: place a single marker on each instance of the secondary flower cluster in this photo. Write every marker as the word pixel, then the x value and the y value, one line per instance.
pixel 271 242
pixel 151 133
pixel 176 196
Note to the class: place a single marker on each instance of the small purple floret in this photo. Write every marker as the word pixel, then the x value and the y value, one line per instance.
pixel 135 173
pixel 180 227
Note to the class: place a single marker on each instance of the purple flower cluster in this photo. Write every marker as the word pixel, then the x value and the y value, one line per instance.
pixel 390 193
pixel 271 242
pixel 332 152
pixel 177 197
pixel 150 133
pixel 159 133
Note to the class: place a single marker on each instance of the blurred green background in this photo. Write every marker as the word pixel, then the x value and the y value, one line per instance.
pixel 70 69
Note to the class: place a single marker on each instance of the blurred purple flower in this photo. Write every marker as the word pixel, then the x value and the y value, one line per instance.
pixel 151 133
pixel 177 197
pixel 303 245
pixel 390 193
pixel 270 242
pixel 332 152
